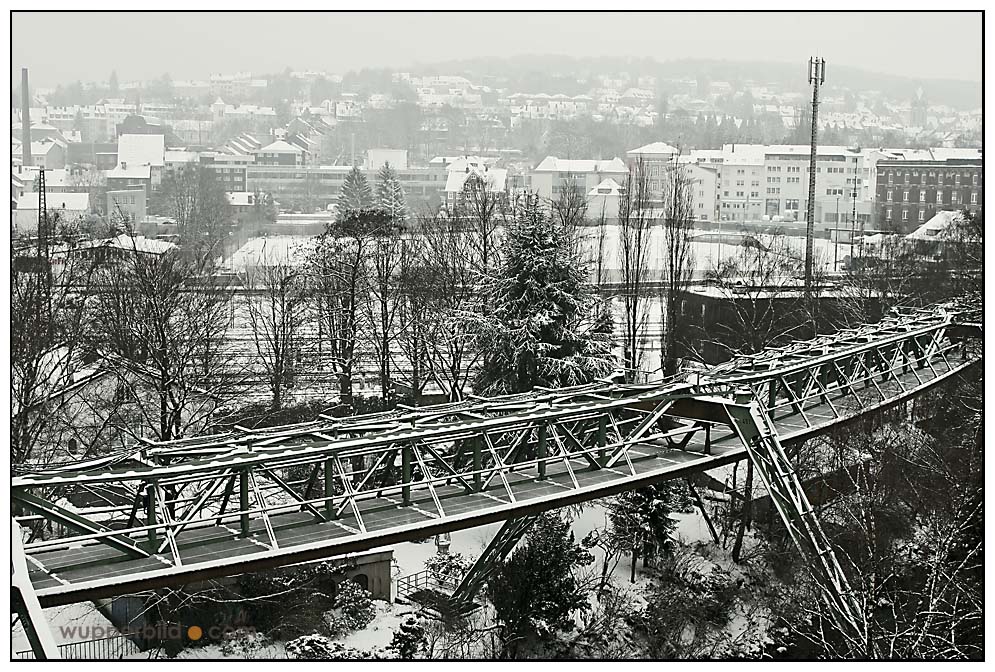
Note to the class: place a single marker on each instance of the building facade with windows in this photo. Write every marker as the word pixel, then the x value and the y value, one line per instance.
pixel 911 191
pixel 317 187
pixel 552 176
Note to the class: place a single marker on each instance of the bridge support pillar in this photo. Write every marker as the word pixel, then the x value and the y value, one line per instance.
pixel 779 477
pixel 406 474
pixel 329 468
pixel 602 437
pixel 243 501
pixel 477 463
pixel 543 430
pixel 24 601
pixel 150 517
pixel 501 545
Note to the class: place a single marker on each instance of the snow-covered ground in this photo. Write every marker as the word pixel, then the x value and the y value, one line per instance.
pixel 79 622
pixel 293 249
pixel 269 250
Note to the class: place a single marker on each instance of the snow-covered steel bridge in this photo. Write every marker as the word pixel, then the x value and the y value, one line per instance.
pixel 212 506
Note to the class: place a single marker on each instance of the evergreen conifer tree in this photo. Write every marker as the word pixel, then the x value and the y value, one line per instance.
pixel 543 325
pixel 356 193
pixel 390 194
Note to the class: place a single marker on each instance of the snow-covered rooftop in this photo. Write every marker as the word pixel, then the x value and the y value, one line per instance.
pixel 552 164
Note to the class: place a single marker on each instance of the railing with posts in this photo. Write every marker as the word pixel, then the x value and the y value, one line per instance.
pixel 424 580
pixel 105 648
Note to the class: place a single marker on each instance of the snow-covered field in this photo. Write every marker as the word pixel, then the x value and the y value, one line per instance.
pixel 293 249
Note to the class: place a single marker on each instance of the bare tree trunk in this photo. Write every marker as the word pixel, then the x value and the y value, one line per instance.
pixel 744 514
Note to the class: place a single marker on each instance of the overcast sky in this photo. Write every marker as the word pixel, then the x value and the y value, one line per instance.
pixel 194 45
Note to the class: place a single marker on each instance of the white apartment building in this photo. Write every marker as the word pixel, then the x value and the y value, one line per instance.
pixel 552 175
pixel 770 182
pixel 739 171
pixel 659 158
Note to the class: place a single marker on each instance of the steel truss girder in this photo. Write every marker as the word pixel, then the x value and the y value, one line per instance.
pixel 779 477
pixel 481 445
pixel 489 561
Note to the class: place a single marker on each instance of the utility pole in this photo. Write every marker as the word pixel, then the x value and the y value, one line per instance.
pixel 837 229
pixel 816 76
pixel 853 220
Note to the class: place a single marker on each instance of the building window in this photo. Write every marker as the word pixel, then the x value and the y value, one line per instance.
pixel 887 214
pixel 905 215
pixel 905 197
pixel 974 198
pixel 922 196
pixel 922 215
pixel 889 195
pixel 974 180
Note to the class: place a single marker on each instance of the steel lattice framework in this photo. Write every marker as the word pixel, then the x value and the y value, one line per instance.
pixel 211 506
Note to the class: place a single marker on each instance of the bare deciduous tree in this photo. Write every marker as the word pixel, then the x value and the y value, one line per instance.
pixel 276 301
pixel 678 227
pixel 48 308
pixel 455 279
pixel 160 324
pixel 383 299
pixel 635 224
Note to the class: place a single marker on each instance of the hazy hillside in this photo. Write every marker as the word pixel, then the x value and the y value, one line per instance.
pixel 534 73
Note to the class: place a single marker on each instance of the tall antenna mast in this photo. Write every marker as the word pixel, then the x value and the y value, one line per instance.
pixel 44 263
pixel 25 120
pixel 816 77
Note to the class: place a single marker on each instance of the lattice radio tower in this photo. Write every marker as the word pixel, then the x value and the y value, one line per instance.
pixel 816 77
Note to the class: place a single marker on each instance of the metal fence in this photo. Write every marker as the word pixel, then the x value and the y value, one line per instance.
pixel 106 648
pixel 423 580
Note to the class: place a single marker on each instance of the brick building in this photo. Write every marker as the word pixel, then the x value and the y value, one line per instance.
pixel 910 191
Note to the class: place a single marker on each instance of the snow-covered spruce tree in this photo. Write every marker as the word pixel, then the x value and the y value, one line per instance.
pixel 409 639
pixel 641 522
pixel 390 194
pixel 356 193
pixel 535 592
pixel 542 325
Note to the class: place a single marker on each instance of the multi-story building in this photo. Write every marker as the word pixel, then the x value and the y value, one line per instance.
pixel 553 175
pixel 659 158
pixel 739 179
pixel 281 153
pixel 96 123
pixel 770 183
pixel 910 191
pixel 471 174
pixel 48 153
pixel 320 186
pixel 130 204
pixel 228 168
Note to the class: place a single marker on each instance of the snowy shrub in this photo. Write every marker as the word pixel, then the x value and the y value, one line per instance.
pixel 318 647
pixel 354 609
pixel 409 639
pixel 448 568
pixel 243 644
